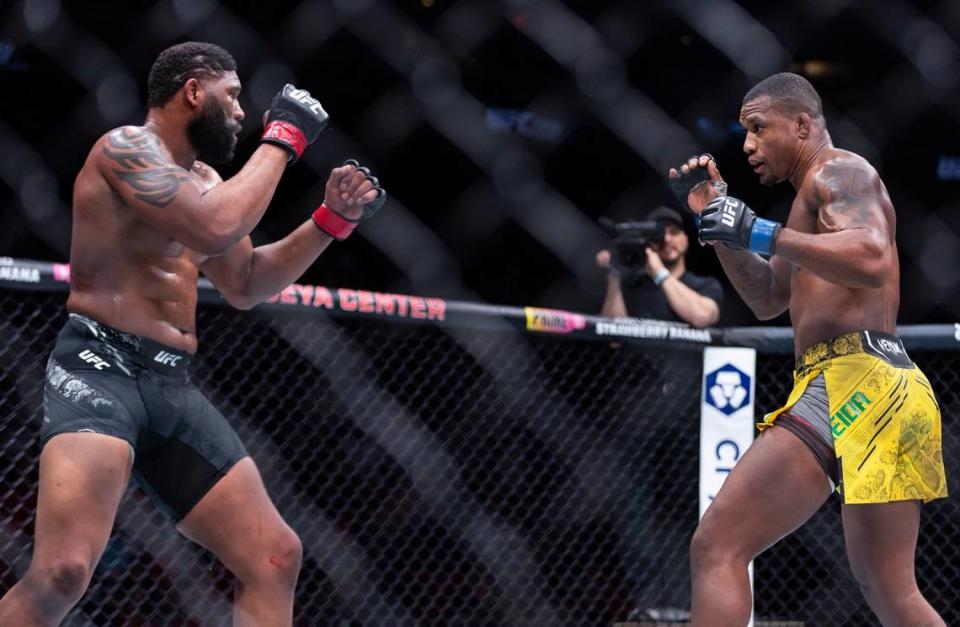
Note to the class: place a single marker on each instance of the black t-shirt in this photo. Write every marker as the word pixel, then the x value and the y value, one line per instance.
pixel 647 300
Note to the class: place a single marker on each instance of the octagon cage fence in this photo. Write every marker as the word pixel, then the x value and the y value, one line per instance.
pixel 449 463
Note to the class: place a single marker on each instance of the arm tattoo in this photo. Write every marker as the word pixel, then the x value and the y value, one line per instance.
pixel 752 277
pixel 142 165
pixel 845 190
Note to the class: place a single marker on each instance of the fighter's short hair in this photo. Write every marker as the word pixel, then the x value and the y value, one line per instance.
pixel 789 92
pixel 181 62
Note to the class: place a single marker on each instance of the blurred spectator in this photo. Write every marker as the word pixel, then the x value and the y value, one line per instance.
pixel 653 281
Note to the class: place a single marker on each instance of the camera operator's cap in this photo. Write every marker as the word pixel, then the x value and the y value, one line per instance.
pixel 665 214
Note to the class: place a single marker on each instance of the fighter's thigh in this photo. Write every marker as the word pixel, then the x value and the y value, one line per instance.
pixel 82 478
pixel 882 542
pixel 238 522
pixel 773 489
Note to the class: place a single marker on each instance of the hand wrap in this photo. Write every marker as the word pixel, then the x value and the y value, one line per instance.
pixel 339 226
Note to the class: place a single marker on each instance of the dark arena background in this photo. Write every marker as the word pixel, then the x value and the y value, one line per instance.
pixel 436 409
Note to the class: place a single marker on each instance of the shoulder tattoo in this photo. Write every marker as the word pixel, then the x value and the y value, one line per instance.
pixel 847 190
pixel 141 164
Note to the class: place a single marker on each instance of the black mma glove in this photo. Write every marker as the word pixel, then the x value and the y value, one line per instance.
pixel 294 120
pixel 339 226
pixel 730 221
pixel 683 185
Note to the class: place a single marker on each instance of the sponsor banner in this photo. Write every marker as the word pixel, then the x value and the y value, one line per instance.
pixel 362 301
pixel 726 417
pixel 14 272
pixel 27 274
pixel 651 329
pixel 553 320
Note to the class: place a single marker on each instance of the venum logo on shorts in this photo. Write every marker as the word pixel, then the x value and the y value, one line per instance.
pixel 167 359
pixel 92 358
pixel 848 413
pixel 728 388
pixel 890 347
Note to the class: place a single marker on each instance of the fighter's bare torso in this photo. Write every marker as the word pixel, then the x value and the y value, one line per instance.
pixel 124 272
pixel 841 191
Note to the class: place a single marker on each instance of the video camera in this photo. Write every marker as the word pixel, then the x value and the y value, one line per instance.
pixel 628 254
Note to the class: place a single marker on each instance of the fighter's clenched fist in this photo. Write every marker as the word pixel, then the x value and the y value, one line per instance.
pixel 689 182
pixel 352 195
pixel 294 121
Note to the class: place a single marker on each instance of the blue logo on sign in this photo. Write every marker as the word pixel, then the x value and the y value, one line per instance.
pixel 728 389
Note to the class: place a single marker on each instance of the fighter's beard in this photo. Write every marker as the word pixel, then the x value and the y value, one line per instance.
pixel 211 135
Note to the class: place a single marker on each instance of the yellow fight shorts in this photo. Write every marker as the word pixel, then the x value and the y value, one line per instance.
pixel 862 396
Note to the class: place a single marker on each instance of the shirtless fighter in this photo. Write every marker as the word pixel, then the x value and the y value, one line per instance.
pixel 862 417
pixel 149 215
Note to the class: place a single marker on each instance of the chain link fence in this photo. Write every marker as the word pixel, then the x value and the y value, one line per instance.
pixel 532 117
pixel 446 475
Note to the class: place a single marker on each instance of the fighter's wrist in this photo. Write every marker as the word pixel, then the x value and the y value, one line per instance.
pixel 288 136
pixel 763 236
pixel 332 223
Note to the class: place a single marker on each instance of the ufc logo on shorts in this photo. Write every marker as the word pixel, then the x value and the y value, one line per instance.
pixel 167 359
pixel 91 358
pixel 303 97
pixel 729 215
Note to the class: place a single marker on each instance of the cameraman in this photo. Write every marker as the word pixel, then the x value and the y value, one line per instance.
pixel 659 288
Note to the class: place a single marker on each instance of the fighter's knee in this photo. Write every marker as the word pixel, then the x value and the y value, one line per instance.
pixel 275 562
pixel 287 555
pixel 862 576
pixel 711 547
pixel 880 583
pixel 870 572
pixel 705 548
pixel 62 581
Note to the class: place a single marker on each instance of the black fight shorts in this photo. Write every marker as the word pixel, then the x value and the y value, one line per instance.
pixel 101 380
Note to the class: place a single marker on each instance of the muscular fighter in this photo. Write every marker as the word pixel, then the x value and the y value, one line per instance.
pixel 862 418
pixel 149 215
